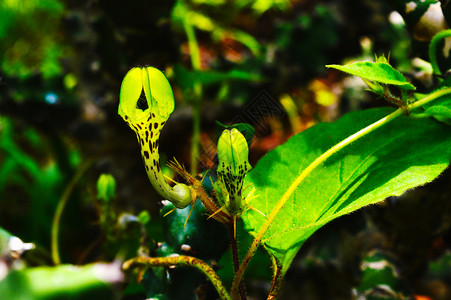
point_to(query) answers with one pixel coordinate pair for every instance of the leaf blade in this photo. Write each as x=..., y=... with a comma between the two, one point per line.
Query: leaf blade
x=378, y=72
x=353, y=178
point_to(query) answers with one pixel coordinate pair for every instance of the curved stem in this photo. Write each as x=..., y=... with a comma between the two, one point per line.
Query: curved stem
x=216, y=212
x=60, y=208
x=181, y=260
x=277, y=280
x=317, y=162
x=433, y=49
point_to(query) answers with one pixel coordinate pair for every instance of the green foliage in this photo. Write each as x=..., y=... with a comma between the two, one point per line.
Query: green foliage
x=219, y=55
x=205, y=237
x=94, y=281
x=25, y=50
x=40, y=180
x=385, y=163
x=188, y=79
x=184, y=14
x=381, y=278
x=440, y=110
x=200, y=236
x=379, y=72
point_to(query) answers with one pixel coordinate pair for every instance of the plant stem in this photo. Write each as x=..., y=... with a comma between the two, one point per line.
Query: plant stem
x=196, y=130
x=317, y=162
x=277, y=280
x=433, y=49
x=235, y=256
x=181, y=260
x=196, y=63
x=60, y=208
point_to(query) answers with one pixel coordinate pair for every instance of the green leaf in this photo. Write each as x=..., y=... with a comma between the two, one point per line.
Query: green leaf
x=94, y=281
x=399, y=156
x=380, y=271
x=378, y=72
x=187, y=79
x=206, y=237
x=439, y=109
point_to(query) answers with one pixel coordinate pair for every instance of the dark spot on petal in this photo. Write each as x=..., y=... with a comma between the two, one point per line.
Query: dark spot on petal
x=146, y=154
x=155, y=125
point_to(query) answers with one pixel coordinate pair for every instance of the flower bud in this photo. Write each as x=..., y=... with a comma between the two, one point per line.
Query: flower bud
x=106, y=187
x=233, y=166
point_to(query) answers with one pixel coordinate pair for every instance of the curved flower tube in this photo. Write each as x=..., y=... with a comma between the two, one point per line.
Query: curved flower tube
x=147, y=123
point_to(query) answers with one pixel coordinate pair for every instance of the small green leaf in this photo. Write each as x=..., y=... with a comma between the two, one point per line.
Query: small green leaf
x=439, y=109
x=399, y=156
x=381, y=273
x=378, y=72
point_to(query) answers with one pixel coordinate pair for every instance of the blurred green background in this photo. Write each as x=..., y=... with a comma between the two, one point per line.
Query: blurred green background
x=254, y=61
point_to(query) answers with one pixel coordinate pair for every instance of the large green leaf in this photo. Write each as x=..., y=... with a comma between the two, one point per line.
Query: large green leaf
x=375, y=71
x=394, y=158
